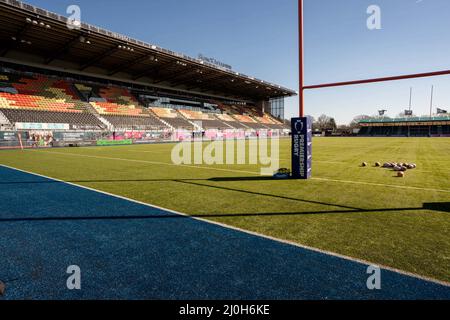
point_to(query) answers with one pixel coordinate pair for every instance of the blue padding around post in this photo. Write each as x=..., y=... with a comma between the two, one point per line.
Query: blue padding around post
x=301, y=148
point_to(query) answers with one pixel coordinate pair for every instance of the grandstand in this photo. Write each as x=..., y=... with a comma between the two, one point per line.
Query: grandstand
x=94, y=79
x=438, y=126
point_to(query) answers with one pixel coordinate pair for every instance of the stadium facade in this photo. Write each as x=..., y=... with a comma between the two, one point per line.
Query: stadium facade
x=437, y=126
x=59, y=77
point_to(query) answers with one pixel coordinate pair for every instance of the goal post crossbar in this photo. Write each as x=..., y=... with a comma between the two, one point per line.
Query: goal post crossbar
x=374, y=80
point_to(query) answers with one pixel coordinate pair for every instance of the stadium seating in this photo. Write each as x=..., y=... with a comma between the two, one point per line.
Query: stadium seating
x=205, y=120
x=4, y=122
x=117, y=101
x=79, y=120
x=264, y=119
x=119, y=107
x=107, y=108
x=249, y=122
x=438, y=125
x=229, y=109
x=35, y=98
x=134, y=123
x=172, y=118
x=248, y=118
x=231, y=121
x=39, y=93
x=194, y=115
x=253, y=111
x=40, y=99
x=404, y=131
x=270, y=122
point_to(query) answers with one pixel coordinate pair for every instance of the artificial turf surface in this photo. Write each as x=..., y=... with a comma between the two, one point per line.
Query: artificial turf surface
x=364, y=213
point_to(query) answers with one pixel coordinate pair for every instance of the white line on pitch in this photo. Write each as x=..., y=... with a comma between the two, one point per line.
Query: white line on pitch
x=381, y=185
x=146, y=161
x=240, y=171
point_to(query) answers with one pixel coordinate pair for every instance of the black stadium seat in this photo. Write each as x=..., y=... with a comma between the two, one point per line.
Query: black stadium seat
x=76, y=120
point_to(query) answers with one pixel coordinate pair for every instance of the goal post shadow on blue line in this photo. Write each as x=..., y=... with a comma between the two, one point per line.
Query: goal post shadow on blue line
x=301, y=149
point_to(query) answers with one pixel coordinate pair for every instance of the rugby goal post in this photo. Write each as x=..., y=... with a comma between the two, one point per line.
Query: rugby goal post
x=302, y=139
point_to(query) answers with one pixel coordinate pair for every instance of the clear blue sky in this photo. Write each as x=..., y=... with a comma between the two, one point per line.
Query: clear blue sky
x=259, y=38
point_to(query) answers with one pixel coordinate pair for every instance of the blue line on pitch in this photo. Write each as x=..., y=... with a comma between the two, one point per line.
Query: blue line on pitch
x=45, y=227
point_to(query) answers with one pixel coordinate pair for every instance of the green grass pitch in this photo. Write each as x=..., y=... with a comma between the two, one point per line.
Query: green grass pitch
x=365, y=213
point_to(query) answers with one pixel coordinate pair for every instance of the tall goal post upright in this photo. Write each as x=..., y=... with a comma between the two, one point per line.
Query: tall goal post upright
x=301, y=59
x=301, y=127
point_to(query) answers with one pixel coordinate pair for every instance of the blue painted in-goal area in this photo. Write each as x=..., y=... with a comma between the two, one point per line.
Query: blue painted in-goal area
x=128, y=250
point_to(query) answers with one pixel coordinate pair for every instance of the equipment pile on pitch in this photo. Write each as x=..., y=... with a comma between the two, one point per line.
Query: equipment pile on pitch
x=399, y=167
